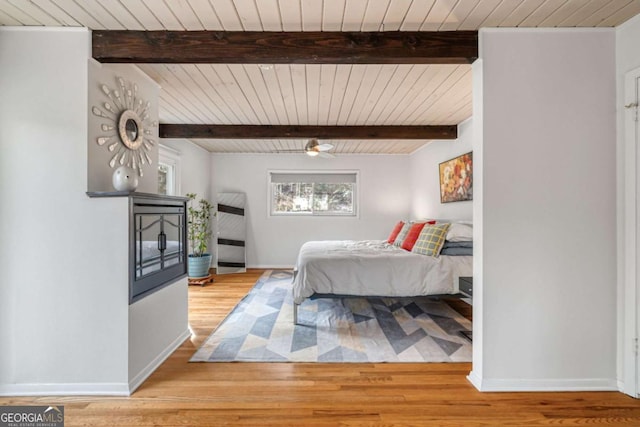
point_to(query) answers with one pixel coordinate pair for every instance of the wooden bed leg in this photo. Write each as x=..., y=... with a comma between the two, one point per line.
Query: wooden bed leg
x=295, y=313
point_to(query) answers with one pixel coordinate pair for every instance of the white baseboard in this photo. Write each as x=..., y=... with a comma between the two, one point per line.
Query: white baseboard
x=622, y=389
x=94, y=389
x=137, y=381
x=587, y=384
x=61, y=389
x=474, y=380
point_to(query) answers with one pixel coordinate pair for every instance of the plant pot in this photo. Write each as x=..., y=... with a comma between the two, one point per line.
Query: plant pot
x=199, y=265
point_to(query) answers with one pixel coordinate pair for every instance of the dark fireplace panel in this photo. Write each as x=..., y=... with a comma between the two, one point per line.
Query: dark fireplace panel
x=158, y=244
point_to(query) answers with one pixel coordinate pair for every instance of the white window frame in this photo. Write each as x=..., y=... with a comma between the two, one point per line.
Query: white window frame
x=356, y=194
x=171, y=157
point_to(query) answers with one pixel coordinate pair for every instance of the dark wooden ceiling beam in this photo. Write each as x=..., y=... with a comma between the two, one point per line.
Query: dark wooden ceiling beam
x=308, y=47
x=320, y=132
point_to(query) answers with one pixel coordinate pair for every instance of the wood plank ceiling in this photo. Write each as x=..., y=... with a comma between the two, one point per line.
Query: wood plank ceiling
x=314, y=95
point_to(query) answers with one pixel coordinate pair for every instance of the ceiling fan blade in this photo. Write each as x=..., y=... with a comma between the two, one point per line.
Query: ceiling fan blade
x=326, y=155
x=324, y=147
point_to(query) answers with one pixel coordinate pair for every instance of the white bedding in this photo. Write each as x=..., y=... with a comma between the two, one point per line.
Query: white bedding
x=374, y=268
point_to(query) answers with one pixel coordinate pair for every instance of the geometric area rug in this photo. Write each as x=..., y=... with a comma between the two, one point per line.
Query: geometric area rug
x=343, y=330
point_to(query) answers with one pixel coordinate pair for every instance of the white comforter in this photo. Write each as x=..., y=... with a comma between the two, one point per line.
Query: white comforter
x=374, y=268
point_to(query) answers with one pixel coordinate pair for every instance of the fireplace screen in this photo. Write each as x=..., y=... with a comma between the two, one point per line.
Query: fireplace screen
x=158, y=244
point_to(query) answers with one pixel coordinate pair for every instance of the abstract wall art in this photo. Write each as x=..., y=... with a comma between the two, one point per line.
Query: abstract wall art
x=456, y=179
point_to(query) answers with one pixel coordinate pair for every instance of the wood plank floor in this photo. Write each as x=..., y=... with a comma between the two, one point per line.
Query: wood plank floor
x=284, y=394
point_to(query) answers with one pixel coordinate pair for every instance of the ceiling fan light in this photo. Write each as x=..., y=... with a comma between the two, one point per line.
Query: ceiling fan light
x=312, y=153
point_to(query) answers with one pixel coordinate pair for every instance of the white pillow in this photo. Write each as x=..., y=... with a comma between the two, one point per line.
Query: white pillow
x=460, y=232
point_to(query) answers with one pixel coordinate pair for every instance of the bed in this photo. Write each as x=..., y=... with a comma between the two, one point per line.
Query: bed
x=373, y=268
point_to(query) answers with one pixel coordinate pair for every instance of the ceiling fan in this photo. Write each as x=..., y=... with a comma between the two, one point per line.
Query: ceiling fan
x=313, y=148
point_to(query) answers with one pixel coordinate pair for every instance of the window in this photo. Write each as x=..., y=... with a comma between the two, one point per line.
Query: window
x=317, y=193
x=168, y=171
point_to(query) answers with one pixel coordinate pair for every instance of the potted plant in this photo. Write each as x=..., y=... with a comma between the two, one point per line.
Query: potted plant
x=199, y=233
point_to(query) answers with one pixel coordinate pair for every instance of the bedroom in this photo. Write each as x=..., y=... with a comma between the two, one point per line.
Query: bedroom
x=501, y=231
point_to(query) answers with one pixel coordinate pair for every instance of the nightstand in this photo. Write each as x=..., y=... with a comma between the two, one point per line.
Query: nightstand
x=466, y=286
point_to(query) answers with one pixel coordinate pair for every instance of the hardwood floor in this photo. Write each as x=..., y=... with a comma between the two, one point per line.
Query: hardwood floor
x=282, y=394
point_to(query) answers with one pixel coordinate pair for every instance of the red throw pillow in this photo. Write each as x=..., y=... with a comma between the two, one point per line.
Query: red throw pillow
x=412, y=236
x=395, y=232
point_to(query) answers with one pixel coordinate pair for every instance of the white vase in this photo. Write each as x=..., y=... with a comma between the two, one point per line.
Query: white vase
x=125, y=179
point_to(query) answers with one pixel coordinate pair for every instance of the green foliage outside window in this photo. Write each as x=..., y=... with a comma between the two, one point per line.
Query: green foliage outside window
x=313, y=198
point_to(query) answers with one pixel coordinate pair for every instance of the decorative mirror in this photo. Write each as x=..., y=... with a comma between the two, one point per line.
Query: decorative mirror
x=129, y=130
x=128, y=125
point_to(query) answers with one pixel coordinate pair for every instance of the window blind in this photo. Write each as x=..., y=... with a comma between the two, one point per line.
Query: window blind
x=309, y=178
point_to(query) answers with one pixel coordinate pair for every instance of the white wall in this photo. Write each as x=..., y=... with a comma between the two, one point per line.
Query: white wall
x=548, y=250
x=195, y=167
x=628, y=56
x=384, y=198
x=425, y=182
x=100, y=173
x=158, y=324
x=627, y=59
x=64, y=312
x=64, y=290
x=478, y=223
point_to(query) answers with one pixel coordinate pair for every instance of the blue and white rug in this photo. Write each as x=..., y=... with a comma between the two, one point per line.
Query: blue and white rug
x=260, y=329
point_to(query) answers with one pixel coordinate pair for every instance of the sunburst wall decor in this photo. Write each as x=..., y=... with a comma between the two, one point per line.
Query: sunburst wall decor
x=128, y=124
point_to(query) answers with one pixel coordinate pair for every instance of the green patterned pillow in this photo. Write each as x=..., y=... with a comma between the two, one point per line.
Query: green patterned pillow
x=431, y=239
x=402, y=234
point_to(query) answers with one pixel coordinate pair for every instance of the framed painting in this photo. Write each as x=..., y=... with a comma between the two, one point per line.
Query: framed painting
x=456, y=179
